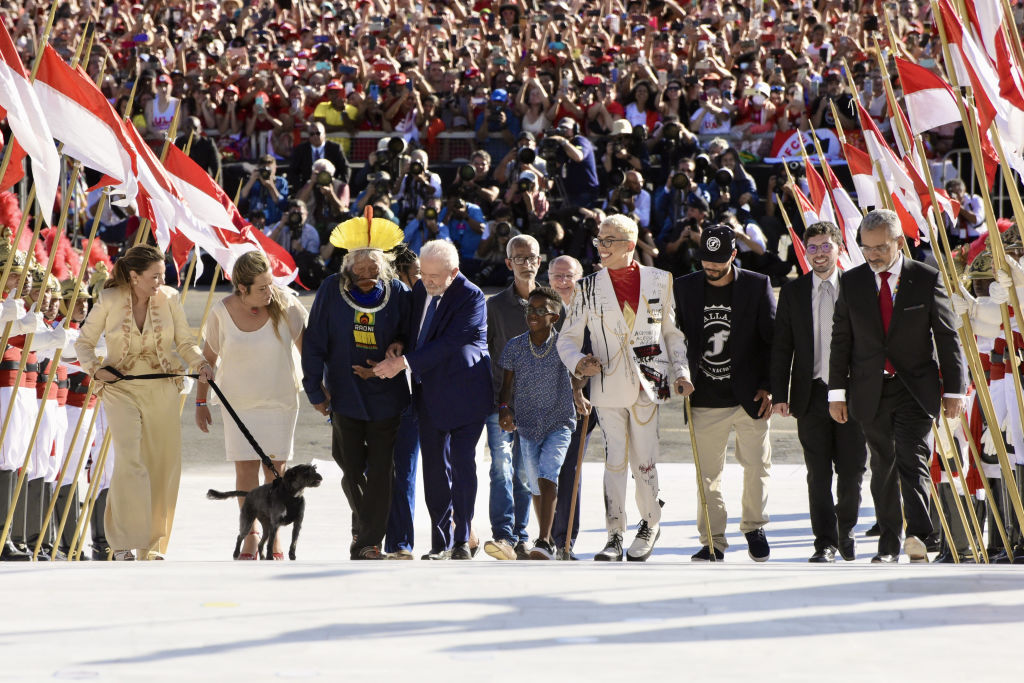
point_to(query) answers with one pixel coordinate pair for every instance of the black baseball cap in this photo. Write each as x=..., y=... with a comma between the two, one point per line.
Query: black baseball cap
x=717, y=243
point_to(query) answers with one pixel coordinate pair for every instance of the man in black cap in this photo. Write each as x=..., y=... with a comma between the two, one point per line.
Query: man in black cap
x=727, y=315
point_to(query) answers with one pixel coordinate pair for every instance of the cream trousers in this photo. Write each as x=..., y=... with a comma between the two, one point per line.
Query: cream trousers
x=631, y=439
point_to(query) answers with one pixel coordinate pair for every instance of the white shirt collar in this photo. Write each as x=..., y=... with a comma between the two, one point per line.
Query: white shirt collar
x=895, y=269
x=832, y=279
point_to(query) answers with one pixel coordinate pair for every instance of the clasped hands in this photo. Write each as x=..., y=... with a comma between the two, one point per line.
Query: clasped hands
x=392, y=364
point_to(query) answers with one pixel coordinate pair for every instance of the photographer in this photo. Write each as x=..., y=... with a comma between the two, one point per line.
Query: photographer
x=386, y=158
x=527, y=202
x=682, y=243
x=497, y=118
x=326, y=198
x=418, y=185
x=522, y=157
x=493, y=252
x=426, y=227
x=265, y=191
x=622, y=152
x=669, y=201
x=317, y=147
x=570, y=157
x=669, y=143
x=473, y=182
x=630, y=198
x=378, y=191
x=465, y=222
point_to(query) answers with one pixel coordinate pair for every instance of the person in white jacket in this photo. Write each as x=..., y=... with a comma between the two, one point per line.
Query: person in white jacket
x=638, y=356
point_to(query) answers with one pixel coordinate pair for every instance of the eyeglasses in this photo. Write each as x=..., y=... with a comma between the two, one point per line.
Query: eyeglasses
x=880, y=249
x=824, y=248
x=606, y=242
x=315, y=133
x=671, y=88
x=567, y=277
x=522, y=260
x=530, y=310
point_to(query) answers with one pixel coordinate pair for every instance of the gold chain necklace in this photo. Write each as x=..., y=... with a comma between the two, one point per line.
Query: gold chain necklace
x=550, y=344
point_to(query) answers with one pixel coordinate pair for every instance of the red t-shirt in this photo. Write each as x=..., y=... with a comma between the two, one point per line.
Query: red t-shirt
x=626, y=282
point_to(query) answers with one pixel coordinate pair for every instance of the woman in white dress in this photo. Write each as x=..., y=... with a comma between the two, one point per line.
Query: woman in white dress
x=256, y=335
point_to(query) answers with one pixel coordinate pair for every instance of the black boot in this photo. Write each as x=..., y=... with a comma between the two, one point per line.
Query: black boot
x=68, y=532
x=100, y=547
x=35, y=498
x=9, y=552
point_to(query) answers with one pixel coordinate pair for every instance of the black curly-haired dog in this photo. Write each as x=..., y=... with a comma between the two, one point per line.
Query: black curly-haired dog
x=276, y=504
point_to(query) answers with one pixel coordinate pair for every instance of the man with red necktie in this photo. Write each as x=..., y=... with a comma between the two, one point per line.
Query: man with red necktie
x=895, y=364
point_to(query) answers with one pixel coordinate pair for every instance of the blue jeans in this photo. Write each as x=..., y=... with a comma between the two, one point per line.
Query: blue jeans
x=543, y=458
x=403, y=492
x=510, y=496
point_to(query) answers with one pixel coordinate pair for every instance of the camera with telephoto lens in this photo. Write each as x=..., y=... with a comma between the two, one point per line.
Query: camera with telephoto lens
x=265, y=173
x=503, y=229
x=494, y=114
x=467, y=173
x=430, y=214
x=381, y=182
x=526, y=155
x=525, y=185
x=416, y=169
x=550, y=149
x=323, y=178
x=680, y=181
x=295, y=219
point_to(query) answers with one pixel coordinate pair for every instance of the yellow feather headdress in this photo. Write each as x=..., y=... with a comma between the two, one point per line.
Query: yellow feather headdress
x=367, y=233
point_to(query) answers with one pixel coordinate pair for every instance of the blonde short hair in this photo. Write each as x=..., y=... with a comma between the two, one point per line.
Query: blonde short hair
x=624, y=224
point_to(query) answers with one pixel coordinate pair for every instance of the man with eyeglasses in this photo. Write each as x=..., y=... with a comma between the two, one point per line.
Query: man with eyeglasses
x=799, y=370
x=510, y=495
x=895, y=367
x=638, y=356
x=311, y=151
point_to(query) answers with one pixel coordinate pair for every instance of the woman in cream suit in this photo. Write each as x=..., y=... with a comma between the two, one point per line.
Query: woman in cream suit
x=146, y=332
x=638, y=355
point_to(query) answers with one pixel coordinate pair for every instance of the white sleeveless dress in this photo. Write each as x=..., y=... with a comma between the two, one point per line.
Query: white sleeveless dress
x=260, y=374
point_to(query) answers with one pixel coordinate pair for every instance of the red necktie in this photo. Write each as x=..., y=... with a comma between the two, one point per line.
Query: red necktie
x=885, y=308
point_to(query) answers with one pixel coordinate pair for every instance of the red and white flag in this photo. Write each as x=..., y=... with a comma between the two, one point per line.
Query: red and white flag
x=820, y=201
x=863, y=177
x=848, y=217
x=930, y=100
x=228, y=235
x=81, y=117
x=29, y=128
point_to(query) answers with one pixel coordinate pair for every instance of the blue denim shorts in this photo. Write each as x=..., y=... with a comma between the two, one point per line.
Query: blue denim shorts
x=543, y=459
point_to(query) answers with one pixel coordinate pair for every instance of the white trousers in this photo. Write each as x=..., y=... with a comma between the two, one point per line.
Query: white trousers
x=631, y=439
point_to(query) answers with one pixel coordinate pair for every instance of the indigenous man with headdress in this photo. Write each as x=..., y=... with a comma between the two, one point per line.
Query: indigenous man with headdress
x=359, y=317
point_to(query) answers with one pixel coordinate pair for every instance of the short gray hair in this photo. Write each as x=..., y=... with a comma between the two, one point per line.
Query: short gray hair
x=323, y=165
x=441, y=250
x=387, y=269
x=525, y=240
x=882, y=219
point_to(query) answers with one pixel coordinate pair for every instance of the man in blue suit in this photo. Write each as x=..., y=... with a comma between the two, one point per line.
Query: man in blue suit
x=452, y=395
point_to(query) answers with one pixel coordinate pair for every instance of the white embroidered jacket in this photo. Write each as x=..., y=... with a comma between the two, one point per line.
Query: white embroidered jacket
x=651, y=355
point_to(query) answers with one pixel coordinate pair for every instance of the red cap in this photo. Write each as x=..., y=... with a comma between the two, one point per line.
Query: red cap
x=163, y=78
x=231, y=88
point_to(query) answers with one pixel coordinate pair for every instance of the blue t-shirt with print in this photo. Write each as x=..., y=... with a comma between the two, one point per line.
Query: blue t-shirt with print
x=542, y=389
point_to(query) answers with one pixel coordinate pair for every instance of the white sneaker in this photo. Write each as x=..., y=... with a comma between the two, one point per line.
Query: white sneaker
x=643, y=544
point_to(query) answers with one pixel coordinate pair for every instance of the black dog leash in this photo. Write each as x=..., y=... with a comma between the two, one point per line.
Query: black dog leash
x=264, y=458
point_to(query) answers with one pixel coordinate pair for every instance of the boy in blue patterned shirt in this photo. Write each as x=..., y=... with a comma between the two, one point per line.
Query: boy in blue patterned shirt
x=545, y=412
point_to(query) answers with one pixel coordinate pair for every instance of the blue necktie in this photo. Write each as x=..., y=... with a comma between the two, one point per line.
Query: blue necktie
x=427, y=319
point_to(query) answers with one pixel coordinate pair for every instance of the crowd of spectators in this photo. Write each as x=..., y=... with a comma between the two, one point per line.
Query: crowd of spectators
x=570, y=110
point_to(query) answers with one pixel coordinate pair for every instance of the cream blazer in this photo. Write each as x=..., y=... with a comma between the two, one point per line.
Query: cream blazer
x=649, y=356
x=112, y=317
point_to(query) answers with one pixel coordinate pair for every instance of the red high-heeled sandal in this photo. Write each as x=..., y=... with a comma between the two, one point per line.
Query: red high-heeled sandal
x=248, y=556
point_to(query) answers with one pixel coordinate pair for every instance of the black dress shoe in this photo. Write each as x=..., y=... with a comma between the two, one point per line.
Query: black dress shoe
x=933, y=543
x=826, y=554
x=848, y=549
x=10, y=553
x=461, y=551
x=438, y=555
x=884, y=558
x=873, y=531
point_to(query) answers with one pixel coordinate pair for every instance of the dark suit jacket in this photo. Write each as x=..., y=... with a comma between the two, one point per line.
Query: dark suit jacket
x=203, y=151
x=793, y=347
x=302, y=163
x=453, y=363
x=750, y=336
x=921, y=317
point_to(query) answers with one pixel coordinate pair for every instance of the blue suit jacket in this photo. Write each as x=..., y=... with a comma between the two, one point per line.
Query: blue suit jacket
x=453, y=364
